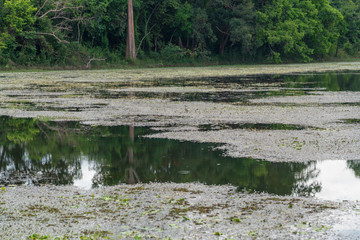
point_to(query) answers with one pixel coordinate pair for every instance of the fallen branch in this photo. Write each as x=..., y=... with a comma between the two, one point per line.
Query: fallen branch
x=88, y=65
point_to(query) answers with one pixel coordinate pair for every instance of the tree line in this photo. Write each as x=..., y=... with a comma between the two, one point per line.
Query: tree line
x=94, y=32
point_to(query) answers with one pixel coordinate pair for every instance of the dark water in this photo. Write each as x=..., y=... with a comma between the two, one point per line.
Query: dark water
x=327, y=81
x=256, y=86
x=32, y=151
x=254, y=126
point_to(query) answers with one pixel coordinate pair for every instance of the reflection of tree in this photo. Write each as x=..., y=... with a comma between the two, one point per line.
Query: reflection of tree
x=355, y=166
x=162, y=160
x=130, y=154
x=303, y=187
x=31, y=146
x=118, y=154
x=13, y=135
x=330, y=81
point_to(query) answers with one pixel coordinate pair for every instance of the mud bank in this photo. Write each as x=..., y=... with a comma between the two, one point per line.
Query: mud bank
x=164, y=211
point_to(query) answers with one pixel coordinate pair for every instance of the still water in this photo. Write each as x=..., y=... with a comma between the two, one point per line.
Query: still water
x=33, y=151
x=255, y=86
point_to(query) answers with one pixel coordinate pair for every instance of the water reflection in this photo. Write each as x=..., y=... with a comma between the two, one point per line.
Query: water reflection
x=255, y=86
x=29, y=146
x=327, y=81
x=339, y=180
x=69, y=153
x=354, y=165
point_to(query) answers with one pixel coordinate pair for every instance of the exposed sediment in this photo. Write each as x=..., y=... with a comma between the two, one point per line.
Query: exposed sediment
x=164, y=211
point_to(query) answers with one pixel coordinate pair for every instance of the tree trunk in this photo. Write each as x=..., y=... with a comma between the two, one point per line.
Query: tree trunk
x=130, y=42
x=193, y=44
x=180, y=43
x=155, y=44
x=223, y=42
x=337, y=48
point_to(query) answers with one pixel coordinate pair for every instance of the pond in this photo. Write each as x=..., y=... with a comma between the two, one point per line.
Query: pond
x=68, y=153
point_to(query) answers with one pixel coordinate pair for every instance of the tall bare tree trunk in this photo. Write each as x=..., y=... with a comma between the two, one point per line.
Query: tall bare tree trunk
x=130, y=42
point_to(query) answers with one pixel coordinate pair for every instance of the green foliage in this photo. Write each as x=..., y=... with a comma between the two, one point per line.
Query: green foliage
x=71, y=32
x=173, y=52
x=298, y=29
x=18, y=14
x=242, y=25
x=183, y=18
x=5, y=39
x=16, y=18
x=349, y=39
x=233, y=21
x=202, y=31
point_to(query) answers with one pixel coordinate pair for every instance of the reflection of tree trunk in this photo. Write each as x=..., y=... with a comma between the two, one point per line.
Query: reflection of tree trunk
x=132, y=133
x=133, y=177
x=2, y=157
x=17, y=157
x=131, y=155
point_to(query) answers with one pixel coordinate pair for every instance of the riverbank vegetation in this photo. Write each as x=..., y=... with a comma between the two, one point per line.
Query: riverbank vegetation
x=93, y=33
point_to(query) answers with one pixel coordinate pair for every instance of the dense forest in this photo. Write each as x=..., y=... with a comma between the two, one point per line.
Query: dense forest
x=85, y=33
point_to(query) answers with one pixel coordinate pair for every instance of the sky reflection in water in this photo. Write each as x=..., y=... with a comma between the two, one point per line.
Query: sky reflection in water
x=338, y=181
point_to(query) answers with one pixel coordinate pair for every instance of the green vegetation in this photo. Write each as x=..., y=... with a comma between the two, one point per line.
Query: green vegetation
x=92, y=33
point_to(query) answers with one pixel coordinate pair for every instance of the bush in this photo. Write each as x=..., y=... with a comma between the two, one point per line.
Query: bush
x=349, y=49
